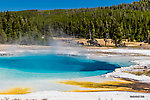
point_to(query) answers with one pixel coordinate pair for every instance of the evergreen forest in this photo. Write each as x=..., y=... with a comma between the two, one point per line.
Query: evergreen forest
x=117, y=22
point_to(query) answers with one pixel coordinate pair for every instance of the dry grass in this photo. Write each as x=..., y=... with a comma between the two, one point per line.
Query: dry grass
x=102, y=42
x=16, y=91
x=145, y=72
x=111, y=86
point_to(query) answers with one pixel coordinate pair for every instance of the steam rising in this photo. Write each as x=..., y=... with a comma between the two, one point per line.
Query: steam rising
x=65, y=46
x=56, y=45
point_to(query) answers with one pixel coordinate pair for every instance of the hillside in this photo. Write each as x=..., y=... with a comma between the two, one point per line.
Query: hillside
x=124, y=21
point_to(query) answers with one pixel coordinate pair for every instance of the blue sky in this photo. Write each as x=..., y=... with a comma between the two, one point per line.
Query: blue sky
x=14, y=5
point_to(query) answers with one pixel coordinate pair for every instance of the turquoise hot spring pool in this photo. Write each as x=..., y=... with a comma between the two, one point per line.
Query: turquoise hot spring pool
x=41, y=71
x=56, y=66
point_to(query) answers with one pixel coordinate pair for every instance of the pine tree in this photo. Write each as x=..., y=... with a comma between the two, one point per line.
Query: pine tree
x=3, y=36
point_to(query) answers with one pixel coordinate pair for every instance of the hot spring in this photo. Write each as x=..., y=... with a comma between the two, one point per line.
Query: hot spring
x=37, y=70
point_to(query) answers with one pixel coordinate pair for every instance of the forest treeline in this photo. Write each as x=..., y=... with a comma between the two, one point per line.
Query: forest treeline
x=124, y=21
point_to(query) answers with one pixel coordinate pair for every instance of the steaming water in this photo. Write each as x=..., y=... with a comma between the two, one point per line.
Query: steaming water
x=40, y=69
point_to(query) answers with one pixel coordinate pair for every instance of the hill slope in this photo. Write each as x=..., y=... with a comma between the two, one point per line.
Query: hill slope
x=124, y=21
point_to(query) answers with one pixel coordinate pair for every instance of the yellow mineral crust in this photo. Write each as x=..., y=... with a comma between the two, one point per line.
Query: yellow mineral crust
x=121, y=85
x=16, y=91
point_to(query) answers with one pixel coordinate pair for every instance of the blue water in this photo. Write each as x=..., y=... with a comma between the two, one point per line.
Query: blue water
x=54, y=66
